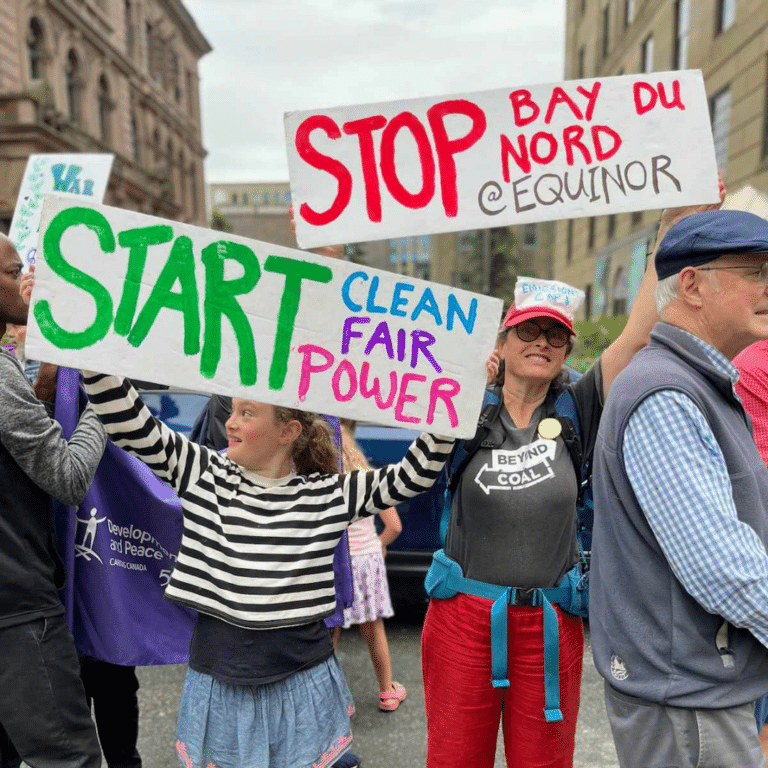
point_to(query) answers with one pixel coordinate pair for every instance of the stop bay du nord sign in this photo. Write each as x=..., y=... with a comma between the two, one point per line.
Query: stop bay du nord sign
x=124, y=293
x=505, y=157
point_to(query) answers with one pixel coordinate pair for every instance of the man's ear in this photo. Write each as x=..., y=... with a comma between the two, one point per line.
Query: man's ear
x=691, y=282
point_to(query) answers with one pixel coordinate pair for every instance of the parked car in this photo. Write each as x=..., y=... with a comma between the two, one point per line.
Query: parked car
x=177, y=408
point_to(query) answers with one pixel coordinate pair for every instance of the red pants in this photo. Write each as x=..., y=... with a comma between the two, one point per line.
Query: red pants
x=464, y=709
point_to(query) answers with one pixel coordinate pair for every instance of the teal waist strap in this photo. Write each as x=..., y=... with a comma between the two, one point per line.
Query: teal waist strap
x=502, y=597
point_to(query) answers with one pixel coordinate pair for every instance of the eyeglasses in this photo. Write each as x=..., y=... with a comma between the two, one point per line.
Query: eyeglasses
x=557, y=335
x=761, y=271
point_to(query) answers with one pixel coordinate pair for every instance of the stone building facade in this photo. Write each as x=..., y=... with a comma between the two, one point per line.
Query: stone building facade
x=115, y=76
x=728, y=41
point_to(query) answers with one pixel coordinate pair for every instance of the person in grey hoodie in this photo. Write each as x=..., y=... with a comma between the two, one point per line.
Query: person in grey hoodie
x=679, y=585
x=44, y=719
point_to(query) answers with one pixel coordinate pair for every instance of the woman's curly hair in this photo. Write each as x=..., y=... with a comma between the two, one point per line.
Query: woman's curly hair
x=314, y=450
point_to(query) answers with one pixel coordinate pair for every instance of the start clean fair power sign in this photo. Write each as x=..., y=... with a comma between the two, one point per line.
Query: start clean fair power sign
x=125, y=293
x=504, y=157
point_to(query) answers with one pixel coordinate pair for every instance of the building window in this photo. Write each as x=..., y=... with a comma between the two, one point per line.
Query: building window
x=35, y=49
x=156, y=143
x=182, y=183
x=580, y=66
x=234, y=198
x=726, y=15
x=682, y=28
x=128, y=27
x=588, y=301
x=591, y=233
x=169, y=166
x=647, y=54
x=720, y=109
x=105, y=110
x=611, y=229
x=193, y=190
x=190, y=93
x=620, y=292
x=155, y=52
x=72, y=77
x=606, y=30
x=135, y=139
x=569, y=242
x=629, y=12
x=529, y=235
x=176, y=72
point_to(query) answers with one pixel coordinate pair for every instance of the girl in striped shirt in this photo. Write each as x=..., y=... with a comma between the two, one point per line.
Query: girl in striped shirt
x=263, y=688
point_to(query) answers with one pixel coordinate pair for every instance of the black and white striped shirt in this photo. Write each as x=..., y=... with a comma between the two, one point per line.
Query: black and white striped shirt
x=255, y=556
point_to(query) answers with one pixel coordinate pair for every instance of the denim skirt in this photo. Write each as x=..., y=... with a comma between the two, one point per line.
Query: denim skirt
x=299, y=722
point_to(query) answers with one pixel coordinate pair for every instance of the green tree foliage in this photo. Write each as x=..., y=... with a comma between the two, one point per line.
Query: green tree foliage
x=220, y=222
x=593, y=338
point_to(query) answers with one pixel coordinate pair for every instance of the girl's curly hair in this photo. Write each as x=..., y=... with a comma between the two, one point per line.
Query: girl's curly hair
x=314, y=450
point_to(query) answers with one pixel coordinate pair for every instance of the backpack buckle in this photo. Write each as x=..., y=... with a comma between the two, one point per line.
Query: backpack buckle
x=521, y=598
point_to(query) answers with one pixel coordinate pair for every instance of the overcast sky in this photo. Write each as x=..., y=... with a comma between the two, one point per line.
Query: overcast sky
x=273, y=56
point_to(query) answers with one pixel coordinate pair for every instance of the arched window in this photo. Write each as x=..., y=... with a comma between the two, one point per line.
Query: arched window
x=128, y=19
x=105, y=109
x=193, y=189
x=72, y=75
x=169, y=166
x=182, y=183
x=35, y=49
x=176, y=76
x=135, y=139
x=156, y=146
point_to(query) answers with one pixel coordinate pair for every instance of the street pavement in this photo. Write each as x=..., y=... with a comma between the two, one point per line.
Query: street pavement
x=382, y=739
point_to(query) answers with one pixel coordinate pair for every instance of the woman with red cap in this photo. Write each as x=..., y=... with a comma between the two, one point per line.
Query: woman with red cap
x=512, y=533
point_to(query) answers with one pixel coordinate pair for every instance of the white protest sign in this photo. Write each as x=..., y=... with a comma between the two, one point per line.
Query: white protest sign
x=125, y=293
x=72, y=174
x=504, y=157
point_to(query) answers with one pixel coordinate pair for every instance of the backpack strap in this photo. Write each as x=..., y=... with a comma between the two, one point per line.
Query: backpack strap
x=568, y=416
x=492, y=402
x=465, y=450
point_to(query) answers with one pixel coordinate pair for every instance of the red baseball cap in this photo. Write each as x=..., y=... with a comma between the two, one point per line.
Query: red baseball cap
x=544, y=298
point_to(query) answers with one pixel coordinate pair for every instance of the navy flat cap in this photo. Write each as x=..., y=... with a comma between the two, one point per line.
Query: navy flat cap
x=703, y=237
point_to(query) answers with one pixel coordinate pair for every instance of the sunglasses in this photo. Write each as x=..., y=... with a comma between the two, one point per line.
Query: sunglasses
x=760, y=272
x=557, y=335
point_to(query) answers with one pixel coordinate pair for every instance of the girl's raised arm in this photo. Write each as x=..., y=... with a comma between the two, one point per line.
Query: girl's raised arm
x=369, y=492
x=129, y=423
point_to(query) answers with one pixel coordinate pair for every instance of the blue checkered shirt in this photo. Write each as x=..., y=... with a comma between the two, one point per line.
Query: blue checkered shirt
x=678, y=474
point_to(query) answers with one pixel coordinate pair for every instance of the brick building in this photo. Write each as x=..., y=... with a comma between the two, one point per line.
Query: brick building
x=728, y=41
x=105, y=76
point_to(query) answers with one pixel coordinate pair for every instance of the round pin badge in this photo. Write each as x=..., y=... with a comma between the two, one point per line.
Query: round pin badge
x=550, y=429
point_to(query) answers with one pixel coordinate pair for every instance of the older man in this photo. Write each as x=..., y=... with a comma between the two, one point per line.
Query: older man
x=679, y=612
x=43, y=713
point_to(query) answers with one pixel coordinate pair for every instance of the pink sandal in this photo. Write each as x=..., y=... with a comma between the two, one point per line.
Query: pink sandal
x=389, y=701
